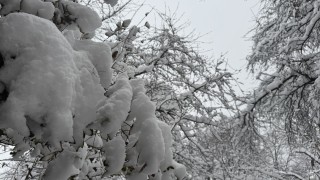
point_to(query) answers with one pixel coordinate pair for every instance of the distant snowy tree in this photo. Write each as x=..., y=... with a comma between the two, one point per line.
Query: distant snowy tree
x=282, y=117
x=65, y=112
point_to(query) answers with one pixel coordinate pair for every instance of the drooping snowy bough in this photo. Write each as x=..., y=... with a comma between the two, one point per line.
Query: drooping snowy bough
x=59, y=106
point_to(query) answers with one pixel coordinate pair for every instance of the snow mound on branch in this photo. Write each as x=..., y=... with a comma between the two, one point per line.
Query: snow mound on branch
x=9, y=6
x=167, y=137
x=67, y=164
x=53, y=90
x=38, y=7
x=150, y=140
x=114, y=110
x=114, y=153
x=87, y=19
x=34, y=85
x=71, y=13
x=150, y=143
x=179, y=170
x=100, y=56
x=35, y=7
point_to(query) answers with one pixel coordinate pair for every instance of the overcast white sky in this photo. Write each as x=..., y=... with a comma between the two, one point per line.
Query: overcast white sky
x=228, y=21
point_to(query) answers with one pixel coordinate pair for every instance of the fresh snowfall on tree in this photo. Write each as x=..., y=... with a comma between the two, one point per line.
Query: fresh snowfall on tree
x=61, y=104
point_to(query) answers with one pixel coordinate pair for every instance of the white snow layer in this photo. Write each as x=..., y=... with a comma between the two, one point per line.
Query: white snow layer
x=52, y=87
x=35, y=7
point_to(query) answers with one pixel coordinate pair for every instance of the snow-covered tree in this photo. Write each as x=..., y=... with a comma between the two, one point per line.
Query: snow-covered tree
x=282, y=117
x=193, y=93
x=64, y=111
